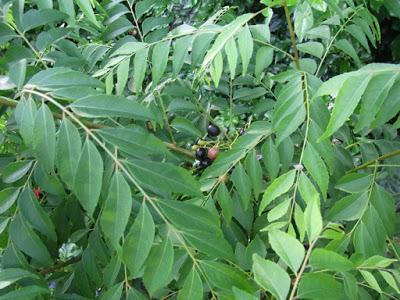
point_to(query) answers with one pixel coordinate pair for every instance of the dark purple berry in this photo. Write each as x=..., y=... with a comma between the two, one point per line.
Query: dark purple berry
x=205, y=163
x=213, y=130
x=201, y=153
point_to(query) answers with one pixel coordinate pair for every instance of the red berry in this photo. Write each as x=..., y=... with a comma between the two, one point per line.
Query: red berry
x=37, y=192
x=212, y=153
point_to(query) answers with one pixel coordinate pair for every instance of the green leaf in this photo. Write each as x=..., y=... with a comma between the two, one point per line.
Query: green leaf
x=139, y=240
x=370, y=279
x=242, y=295
x=27, y=292
x=249, y=93
x=159, y=266
x=228, y=32
x=390, y=280
x=225, y=201
x=376, y=262
x=348, y=49
x=216, y=69
x=134, y=141
x=316, y=167
x=181, y=48
x=26, y=240
x=35, y=214
x=86, y=7
x=213, y=244
x=111, y=106
x=354, y=183
x=313, y=48
x=264, y=58
x=34, y=18
x=88, y=177
x=113, y=293
x=289, y=249
x=271, y=158
x=185, y=125
x=254, y=171
x=289, y=112
x=11, y=275
x=271, y=277
x=164, y=177
x=307, y=189
x=44, y=138
x=242, y=183
x=6, y=34
x=8, y=196
x=68, y=149
x=319, y=286
x=188, y=216
x=374, y=97
x=349, y=208
x=359, y=35
x=25, y=115
x=192, y=287
x=117, y=209
x=346, y=101
x=201, y=44
x=225, y=277
x=327, y=259
x=313, y=219
x=16, y=170
x=159, y=60
x=122, y=76
x=350, y=286
x=139, y=68
x=232, y=56
x=279, y=210
x=245, y=43
x=60, y=77
x=18, y=72
x=278, y=187
x=303, y=20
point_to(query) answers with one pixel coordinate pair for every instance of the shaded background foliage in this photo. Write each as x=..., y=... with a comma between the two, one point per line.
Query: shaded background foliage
x=103, y=104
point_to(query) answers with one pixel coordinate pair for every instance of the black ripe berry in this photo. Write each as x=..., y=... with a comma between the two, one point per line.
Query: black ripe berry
x=205, y=163
x=213, y=130
x=201, y=153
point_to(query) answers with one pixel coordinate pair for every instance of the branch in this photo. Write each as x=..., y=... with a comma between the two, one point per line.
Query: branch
x=371, y=162
x=292, y=37
x=91, y=125
x=59, y=265
x=303, y=267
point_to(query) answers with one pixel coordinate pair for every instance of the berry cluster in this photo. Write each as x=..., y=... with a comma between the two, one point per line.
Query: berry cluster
x=205, y=156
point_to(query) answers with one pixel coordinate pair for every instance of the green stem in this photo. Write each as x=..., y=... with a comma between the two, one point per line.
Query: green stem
x=371, y=162
x=302, y=268
x=292, y=36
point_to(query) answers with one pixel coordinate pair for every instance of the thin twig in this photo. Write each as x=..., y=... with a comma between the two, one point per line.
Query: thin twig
x=373, y=161
x=59, y=265
x=135, y=20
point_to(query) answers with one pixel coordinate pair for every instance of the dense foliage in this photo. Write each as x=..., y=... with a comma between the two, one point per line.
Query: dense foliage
x=199, y=149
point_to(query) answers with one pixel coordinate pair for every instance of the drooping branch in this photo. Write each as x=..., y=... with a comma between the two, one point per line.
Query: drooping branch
x=12, y=103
